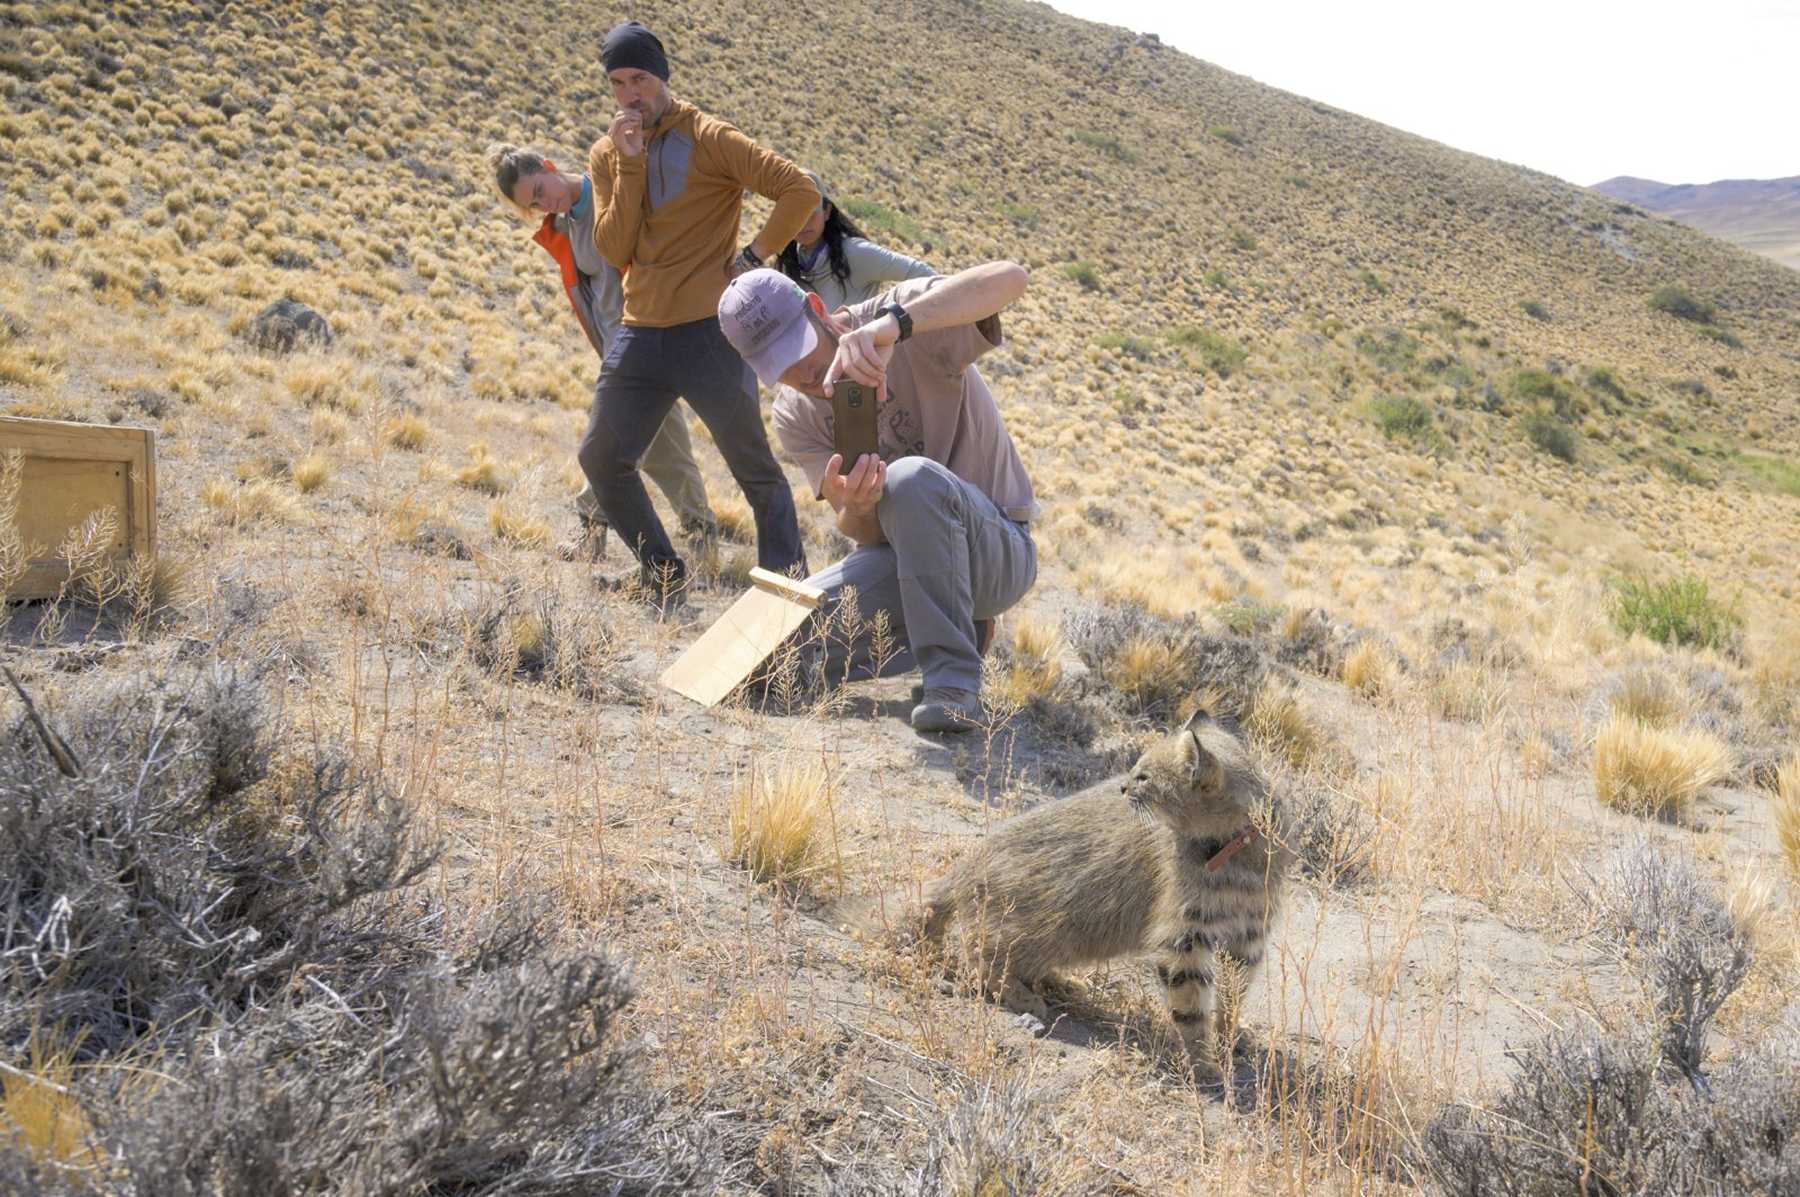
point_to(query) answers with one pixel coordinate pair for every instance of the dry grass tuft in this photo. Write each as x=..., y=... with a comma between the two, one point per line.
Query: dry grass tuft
x=777, y=821
x=326, y=426
x=483, y=473
x=736, y=523
x=1654, y=771
x=1033, y=662
x=1787, y=813
x=1148, y=668
x=311, y=472
x=1466, y=691
x=406, y=431
x=517, y=527
x=1650, y=696
x=1369, y=670
x=39, y=1111
x=1277, y=725
x=250, y=502
x=317, y=383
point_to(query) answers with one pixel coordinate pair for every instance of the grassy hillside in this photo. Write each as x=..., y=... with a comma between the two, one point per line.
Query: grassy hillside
x=1497, y=478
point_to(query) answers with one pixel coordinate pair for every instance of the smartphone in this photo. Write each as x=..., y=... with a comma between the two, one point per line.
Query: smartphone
x=853, y=420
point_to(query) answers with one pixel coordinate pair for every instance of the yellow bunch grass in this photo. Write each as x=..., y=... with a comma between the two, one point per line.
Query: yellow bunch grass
x=1655, y=771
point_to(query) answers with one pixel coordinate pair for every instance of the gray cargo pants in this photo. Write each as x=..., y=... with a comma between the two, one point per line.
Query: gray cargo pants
x=951, y=558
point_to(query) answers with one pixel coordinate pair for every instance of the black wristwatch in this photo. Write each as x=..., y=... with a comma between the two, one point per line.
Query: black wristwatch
x=901, y=319
x=749, y=259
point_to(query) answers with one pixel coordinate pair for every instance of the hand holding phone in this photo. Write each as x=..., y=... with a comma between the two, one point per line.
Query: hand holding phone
x=853, y=420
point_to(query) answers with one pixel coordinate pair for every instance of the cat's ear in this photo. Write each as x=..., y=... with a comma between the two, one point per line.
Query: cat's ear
x=1201, y=715
x=1201, y=764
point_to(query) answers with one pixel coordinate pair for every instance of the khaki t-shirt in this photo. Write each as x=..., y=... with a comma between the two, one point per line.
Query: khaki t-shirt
x=938, y=406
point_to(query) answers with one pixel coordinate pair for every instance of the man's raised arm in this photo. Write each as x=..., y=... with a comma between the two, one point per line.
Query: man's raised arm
x=964, y=298
x=618, y=180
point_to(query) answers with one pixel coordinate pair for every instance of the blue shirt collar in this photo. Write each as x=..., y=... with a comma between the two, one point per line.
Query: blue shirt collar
x=583, y=211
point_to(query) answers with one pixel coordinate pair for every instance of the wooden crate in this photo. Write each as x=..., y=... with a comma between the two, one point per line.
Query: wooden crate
x=72, y=471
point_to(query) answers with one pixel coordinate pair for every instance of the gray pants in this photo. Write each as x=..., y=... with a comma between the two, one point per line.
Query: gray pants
x=951, y=558
x=668, y=462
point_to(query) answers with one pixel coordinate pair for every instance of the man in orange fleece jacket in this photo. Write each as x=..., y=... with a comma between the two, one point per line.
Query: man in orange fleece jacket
x=668, y=191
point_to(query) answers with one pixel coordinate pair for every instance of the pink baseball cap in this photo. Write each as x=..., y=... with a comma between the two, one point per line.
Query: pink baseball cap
x=763, y=315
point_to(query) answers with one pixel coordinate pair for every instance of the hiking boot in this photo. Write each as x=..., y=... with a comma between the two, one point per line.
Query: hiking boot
x=588, y=543
x=984, y=640
x=699, y=534
x=664, y=590
x=947, y=709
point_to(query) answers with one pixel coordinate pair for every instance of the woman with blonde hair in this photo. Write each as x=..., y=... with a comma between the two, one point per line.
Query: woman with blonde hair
x=531, y=185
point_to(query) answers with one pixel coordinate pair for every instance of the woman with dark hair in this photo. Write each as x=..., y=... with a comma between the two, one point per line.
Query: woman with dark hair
x=531, y=185
x=831, y=257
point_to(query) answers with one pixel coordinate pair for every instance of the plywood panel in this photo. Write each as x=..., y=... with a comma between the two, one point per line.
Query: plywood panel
x=70, y=472
x=742, y=638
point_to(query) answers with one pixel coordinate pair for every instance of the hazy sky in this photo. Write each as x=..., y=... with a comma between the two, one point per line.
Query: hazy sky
x=1581, y=89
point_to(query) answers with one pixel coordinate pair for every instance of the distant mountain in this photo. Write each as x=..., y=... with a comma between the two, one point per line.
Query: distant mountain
x=1762, y=215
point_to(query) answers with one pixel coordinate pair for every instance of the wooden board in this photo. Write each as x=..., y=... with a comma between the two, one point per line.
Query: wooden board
x=743, y=638
x=72, y=471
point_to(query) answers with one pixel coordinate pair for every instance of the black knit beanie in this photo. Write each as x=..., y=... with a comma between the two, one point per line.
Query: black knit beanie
x=632, y=47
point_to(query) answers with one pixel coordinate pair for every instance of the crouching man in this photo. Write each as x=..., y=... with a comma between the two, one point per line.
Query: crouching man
x=941, y=518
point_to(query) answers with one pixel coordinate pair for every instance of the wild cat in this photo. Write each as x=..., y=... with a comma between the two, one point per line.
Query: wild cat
x=1176, y=870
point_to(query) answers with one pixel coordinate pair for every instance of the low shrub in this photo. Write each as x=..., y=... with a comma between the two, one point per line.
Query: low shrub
x=1534, y=309
x=1215, y=351
x=1678, y=303
x=1674, y=611
x=1402, y=417
x=1106, y=143
x=1125, y=343
x=1629, y=1109
x=252, y=924
x=1552, y=435
x=871, y=214
x=1153, y=665
x=1085, y=274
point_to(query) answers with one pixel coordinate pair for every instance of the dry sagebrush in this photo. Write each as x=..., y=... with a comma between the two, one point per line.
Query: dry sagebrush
x=258, y=997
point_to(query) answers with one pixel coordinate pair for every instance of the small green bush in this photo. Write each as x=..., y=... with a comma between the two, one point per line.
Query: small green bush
x=1107, y=144
x=1543, y=387
x=1085, y=273
x=1605, y=382
x=1217, y=279
x=1674, y=611
x=1227, y=135
x=1552, y=435
x=1713, y=332
x=1681, y=305
x=1535, y=310
x=1402, y=416
x=1023, y=215
x=1780, y=475
x=1389, y=348
x=1683, y=470
x=1217, y=352
x=1373, y=282
x=1242, y=240
x=1128, y=345
x=875, y=215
